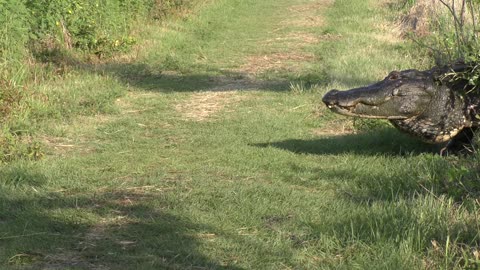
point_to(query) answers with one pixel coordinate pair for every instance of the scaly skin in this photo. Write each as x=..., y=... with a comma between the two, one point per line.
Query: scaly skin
x=425, y=104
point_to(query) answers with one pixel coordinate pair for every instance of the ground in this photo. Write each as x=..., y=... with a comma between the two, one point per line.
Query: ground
x=215, y=152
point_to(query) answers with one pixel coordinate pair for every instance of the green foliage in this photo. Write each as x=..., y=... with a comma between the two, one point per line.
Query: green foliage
x=89, y=25
x=101, y=27
x=457, y=36
x=454, y=37
x=13, y=36
x=164, y=8
x=14, y=147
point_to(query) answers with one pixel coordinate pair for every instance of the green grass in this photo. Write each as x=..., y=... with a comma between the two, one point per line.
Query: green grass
x=134, y=177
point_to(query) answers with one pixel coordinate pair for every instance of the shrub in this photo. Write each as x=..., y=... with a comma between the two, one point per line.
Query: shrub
x=99, y=27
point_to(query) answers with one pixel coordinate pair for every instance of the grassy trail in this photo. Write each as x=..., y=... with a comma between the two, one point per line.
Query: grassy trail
x=217, y=154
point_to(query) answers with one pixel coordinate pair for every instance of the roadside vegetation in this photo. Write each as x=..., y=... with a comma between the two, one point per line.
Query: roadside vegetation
x=43, y=41
x=197, y=141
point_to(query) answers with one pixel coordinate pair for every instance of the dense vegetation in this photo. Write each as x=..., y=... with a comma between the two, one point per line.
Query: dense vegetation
x=450, y=34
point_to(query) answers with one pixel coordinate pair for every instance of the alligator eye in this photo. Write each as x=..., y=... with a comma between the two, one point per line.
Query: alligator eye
x=393, y=76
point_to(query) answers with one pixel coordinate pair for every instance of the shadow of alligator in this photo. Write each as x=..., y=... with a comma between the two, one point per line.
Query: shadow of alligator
x=381, y=142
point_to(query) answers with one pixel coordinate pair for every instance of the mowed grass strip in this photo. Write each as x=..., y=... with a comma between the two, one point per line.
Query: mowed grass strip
x=171, y=175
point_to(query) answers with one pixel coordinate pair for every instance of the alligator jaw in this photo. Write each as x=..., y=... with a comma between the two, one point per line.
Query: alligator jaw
x=351, y=103
x=349, y=111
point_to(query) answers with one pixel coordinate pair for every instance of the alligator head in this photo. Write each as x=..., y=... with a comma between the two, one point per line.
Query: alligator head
x=414, y=101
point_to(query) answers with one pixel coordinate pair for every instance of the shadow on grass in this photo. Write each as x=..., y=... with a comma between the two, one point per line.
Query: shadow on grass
x=146, y=77
x=386, y=141
x=108, y=230
x=391, y=166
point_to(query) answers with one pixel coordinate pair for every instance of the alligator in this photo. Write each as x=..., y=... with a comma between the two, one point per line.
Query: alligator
x=433, y=105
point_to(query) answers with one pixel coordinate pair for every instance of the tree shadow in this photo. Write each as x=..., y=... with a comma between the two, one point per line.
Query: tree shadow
x=158, y=78
x=363, y=183
x=387, y=141
x=96, y=230
x=145, y=77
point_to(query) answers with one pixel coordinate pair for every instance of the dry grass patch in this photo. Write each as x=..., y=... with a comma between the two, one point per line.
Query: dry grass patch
x=244, y=82
x=68, y=260
x=78, y=136
x=305, y=15
x=315, y=5
x=61, y=146
x=420, y=15
x=334, y=128
x=388, y=33
x=275, y=62
x=293, y=39
x=306, y=21
x=202, y=106
x=127, y=106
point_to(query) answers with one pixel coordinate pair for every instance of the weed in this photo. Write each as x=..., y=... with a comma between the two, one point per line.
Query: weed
x=14, y=147
x=302, y=87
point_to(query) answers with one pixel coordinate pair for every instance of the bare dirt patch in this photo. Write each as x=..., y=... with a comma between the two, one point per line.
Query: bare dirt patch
x=202, y=106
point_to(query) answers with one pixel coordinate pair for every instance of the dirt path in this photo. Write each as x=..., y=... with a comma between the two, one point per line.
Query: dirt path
x=283, y=50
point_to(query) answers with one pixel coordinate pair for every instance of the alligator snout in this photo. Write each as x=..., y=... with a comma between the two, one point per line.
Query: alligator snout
x=331, y=97
x=336, y=98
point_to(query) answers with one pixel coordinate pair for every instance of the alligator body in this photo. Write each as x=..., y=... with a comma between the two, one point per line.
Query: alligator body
x=429, y=104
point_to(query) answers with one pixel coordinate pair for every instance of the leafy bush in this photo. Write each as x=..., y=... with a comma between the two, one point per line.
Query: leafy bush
x=89, y=25
x=101, y=27
x=454, y=36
